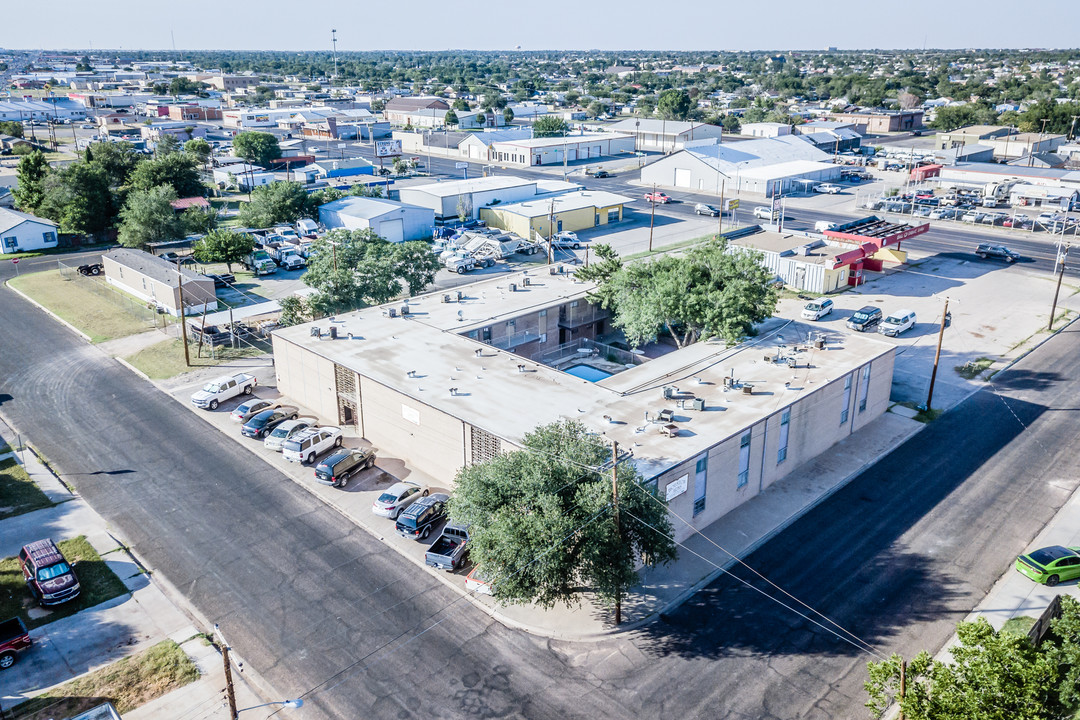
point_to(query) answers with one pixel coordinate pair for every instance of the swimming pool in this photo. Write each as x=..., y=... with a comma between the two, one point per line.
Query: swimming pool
x=587, y=372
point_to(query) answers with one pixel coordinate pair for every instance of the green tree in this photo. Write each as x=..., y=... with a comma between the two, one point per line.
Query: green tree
x=294, y=311
x=197, y=221
x=595, y=109
x=166, y=145
x=707, y=292
x=31, y=174
x=273, y=204
x=451, y=118
x=119, y=160
x=148, y=216
x=78, y=198
x=731, y=124
x=460, y=104
x=223, y=246
x=177, y=170
x=351, y=270
x=992, y=676
x=13, y=128
x=508, y=115
x=183, y=86
x=606, y=263
x=493, y=100
x=674, y=105
x=198, y=149
x=258, y=148
x=541, y=520
x=415, y=265
x=160, y=88
x=550, y=126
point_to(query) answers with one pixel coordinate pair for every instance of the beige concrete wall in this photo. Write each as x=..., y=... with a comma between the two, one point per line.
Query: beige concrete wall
x=428, y=439
x=307, y=378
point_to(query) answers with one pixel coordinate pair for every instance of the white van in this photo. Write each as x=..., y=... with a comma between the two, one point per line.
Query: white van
x=817, y=309
x=823, y=225
x=897, y=322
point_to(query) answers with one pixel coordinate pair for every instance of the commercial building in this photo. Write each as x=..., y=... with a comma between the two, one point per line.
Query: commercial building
x=1010, y=147
x=230, y=83
x=182, y=131
x=193, y=113
x=871, y=122
x=244, y=175
x=45, y=109
x=157, y=281
x=448, y=200
x=571, y=211
x=400, y=110
x=767, y=166
x=22, y=232
x=971, y=135
x=255, y=117
x=557, y=150
x=443, y=384
x=765, y=129
x=343, y=168
x=395, y=221
x=664, y=135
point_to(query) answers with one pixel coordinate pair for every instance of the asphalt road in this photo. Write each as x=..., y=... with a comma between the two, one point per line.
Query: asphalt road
x=898, y=557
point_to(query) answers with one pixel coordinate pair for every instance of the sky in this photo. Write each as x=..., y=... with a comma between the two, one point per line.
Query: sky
x=550, y=25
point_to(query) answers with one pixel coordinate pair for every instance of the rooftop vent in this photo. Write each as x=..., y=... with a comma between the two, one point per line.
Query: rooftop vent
x=405, y=310
x=526, y=282
x=333, y=332
x=391, y=312
x=316, y=332
x=513, y=287
x=446, y=298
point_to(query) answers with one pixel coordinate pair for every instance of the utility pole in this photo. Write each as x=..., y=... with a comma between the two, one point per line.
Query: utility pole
x=1061, y=272
x=615, y=509
x=652, y=215
x=333, y=39
x=229, y=692
x=551, y=233
x=937, y=354
x=183, y=317
x=720, y=215
x=1072, y=127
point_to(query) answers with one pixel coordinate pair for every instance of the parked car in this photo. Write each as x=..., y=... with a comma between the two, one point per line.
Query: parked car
x=827, y=188
x=865, y=318
x=336, y=469
x=396, y=498
x=49, y=576
x=285, y=431
x=922, y=211
x=997, y=252
x=763, y=213
x=972, y=216
x=224, y=388
x=476, y=582
x=14, y=638
x=1050, y=565
x=657, y=197
x=223, y=280
x=822, y=225
x=817, y=309
x=262, y=424
x=897, y=323
x=566, y=239
x=418, y=519
x=703, y=209
x=449, y=550
x=310, y=443
x=601, y=174
x=249, y=408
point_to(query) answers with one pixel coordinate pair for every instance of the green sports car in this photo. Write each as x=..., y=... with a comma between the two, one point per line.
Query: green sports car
x=1051, y=565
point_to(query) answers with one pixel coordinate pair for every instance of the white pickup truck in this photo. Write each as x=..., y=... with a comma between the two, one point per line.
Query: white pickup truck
x=218, y=391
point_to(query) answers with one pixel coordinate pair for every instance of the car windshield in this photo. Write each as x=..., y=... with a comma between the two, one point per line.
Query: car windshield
x=281, y=431
x=813, y=306
x=48, y=573
x=259, y=420
x=387, y=498
x=212, y=387
x=293, y=445
x=860, y=315
x=893, y=320
x=407, y=521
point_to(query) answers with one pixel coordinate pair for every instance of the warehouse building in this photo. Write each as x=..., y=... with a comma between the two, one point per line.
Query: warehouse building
x=434, y=382
x=573, y=211
x=557, y=150
x=664, y=135
x=449, y=200
x=395, y=221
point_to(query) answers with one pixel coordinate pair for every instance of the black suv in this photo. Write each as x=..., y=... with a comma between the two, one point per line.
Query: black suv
x=417, y=520
x=336, y=469
x=261, y=424
x=998, y=252
x=865, y=318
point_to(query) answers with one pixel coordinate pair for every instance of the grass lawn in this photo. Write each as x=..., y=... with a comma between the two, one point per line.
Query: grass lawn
x=1019, y=625
x=98, y=583
x=18, y=493
x=127, y=683
x=94, y=314
x=166, y=359
x=661, y=250
x=971, y=370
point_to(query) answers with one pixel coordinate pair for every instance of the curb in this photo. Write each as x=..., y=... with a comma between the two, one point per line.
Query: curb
x=49, y=312
x=134, y=369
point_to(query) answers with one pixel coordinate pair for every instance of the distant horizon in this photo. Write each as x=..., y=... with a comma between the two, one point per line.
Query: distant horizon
x=560, y=26
x=92, y=51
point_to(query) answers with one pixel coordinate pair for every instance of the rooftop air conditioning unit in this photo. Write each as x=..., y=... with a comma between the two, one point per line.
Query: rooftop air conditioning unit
x=404, y=311
x=513, y=287
x=391, y=312
x=446, y=298
x=316, y=332
x=526, y=282
x=699, y=404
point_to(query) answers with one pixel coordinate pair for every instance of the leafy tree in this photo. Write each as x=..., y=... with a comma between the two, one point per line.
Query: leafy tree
x=673, y=105
x=605, y=265
x=258, y=148
x=401, y=165
x=183, y=86
x=31, y=174
x=541, y=521
x=731, y=124
x=279, y=202
x=550, y=126
x=508, y=115
x=464, y=207
x=493, y=100
x=148, y=216
x=415, y=264
x=13, y=128
x=319, y=198
x=78, y=198
x=460, y=104
x=451, y=118
x=362, y=190
x=166, y=145
x=160, y=88
x=198, y=149
x=957, y=116
x=177, y=170
x=294, y=311
x=707, y=292
x=227, y=246
x=117, y=158
x=197, y=221
x=595, y=109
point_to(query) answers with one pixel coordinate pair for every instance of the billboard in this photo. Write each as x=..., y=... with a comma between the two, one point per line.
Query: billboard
x=387, y=148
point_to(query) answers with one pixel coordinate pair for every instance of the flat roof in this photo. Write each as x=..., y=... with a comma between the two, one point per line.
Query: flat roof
x=461, y=187
x=790, y=168
x=563, y=203
x=426, y=354
x=818, y=252
x=560, y=141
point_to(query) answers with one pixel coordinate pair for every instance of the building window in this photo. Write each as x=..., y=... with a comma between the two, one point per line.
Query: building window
x=785, y=422
x=49, y=237
x=10, y=243
x=484, y=446
x=864, y=387
x=700, y=472
x=744, y=459
x=847, y=400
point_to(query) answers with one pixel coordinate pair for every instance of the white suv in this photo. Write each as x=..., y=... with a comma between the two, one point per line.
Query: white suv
x=216, y=392
x=308, y=444
x=285, y=431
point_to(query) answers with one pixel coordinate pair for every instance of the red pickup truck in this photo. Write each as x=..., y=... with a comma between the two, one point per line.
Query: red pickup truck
x=14, y=638
x=657, y=197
